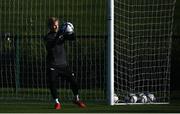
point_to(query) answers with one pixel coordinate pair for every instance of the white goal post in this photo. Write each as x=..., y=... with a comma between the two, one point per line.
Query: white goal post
x=110, y=78
x=139, y=38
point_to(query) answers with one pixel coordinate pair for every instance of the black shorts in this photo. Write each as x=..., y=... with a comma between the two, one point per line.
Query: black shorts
x=64, y=72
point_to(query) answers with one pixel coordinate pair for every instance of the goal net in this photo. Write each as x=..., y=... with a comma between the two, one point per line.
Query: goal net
x=142, y=48
x=23, y=24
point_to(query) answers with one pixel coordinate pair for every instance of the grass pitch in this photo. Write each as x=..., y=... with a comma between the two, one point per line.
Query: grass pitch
x=91, y=108
x=24, y=107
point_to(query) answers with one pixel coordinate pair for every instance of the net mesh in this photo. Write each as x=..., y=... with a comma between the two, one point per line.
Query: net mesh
x=143, y=34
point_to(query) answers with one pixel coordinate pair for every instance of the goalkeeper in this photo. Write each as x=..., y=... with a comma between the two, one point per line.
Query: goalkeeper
x=56, y=62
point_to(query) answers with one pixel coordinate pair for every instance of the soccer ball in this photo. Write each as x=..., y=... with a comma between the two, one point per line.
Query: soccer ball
x=143, y=98
x=67, y=28
x=133, y=98
x=151, y=97
x=116, y=98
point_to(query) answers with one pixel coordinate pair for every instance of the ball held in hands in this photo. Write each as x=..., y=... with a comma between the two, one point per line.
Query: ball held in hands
x=67, y=30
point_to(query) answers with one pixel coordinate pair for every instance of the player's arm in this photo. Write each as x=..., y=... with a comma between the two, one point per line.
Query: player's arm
x=63, y=36
x=70, y=37
x=59, y=38
x=51, y=41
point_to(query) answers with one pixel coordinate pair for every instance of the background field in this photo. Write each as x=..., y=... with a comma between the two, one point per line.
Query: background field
x=23, y=56
x=174, y=105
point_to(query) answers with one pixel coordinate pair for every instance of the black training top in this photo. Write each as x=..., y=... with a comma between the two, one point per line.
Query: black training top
x=56, y=55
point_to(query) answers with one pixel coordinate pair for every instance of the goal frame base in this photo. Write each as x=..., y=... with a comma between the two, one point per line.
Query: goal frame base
x=141, y=103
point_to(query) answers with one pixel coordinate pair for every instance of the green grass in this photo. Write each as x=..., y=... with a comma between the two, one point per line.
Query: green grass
x=91, y=108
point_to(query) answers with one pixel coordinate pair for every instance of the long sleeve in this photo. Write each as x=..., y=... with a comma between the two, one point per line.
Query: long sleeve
x=52, y=39
x=56, y=55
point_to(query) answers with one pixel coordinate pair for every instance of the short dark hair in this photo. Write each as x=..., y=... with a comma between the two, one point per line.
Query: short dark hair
x=51, y=21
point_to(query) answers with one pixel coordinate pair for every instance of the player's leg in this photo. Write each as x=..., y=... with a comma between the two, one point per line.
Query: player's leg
x=52, y=74
x=74, y=86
